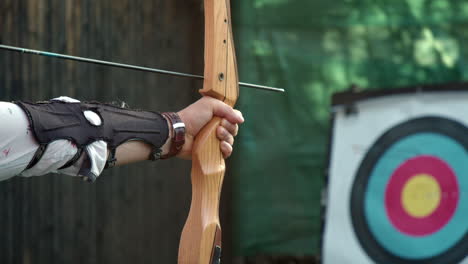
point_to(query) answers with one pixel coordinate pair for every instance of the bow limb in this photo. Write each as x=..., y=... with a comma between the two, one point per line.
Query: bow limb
x=200, y=241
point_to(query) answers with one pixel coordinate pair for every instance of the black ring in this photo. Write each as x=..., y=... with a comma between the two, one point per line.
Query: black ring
x=371, y=246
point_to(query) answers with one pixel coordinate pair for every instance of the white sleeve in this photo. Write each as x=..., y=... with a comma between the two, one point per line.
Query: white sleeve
x=17, y=143
x=18, y=146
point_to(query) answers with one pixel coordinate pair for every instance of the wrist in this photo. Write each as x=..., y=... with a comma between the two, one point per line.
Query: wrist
x=176, y=136
x=167, y=145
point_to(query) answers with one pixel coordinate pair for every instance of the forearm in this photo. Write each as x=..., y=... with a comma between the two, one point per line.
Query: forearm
x=82, y=139
x=131, y=152
x=101, y=134
x=136, y=151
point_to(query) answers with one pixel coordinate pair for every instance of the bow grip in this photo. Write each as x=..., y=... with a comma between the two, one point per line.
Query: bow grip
x=201, y=235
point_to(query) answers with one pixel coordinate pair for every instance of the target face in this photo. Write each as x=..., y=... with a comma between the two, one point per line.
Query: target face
x=409, y=199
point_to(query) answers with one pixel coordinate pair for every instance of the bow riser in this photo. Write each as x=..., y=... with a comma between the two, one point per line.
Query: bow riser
x=201, y=237
x=221, y=78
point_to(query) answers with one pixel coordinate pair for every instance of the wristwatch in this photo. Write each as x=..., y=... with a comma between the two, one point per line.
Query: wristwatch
x=177, y=134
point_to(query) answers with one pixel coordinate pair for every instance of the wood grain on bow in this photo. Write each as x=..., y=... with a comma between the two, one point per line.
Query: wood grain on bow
x=200, y=242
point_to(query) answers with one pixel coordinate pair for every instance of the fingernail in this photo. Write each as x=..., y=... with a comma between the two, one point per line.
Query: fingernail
x=241, y=116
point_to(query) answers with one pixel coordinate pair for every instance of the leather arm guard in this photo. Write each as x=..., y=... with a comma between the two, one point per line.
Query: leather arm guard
x=54, y=120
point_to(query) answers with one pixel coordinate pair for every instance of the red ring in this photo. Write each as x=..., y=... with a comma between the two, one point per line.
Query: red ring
x=448, y=183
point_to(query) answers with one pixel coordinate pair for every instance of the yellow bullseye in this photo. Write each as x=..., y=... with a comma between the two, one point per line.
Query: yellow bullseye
x=421, y=195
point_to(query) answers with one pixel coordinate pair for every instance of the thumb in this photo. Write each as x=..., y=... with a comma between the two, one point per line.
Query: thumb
x=223, y=110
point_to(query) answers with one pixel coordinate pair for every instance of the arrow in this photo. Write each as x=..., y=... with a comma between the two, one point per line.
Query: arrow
x=128, y=66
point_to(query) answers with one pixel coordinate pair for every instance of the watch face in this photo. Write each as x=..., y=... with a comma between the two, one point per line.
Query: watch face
x=179, y=135
x=179, y=125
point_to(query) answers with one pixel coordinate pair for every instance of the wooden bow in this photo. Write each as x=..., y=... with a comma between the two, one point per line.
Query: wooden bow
x=200, y=242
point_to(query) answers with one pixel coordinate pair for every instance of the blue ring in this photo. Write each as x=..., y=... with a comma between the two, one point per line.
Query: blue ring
x=386, y=234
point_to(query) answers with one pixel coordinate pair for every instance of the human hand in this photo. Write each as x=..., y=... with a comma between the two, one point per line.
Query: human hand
x=198, y=114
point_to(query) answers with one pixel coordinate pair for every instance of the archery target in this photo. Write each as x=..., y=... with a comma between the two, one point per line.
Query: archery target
x=398, y=183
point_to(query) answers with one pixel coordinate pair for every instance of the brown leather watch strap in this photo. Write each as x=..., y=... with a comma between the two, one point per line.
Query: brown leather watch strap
x=177, y=134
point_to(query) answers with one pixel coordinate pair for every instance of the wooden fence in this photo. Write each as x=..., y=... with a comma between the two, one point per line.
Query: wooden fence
x=132, y=214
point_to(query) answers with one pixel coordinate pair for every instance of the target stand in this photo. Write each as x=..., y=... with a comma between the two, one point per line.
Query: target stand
x=398, y=177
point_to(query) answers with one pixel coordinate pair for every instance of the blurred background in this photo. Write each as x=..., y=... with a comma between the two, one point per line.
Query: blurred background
x=271, y=205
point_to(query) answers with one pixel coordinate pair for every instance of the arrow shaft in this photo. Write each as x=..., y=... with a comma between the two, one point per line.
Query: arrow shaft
x=125, y=66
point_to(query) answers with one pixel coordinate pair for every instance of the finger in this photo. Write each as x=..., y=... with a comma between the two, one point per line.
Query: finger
x=223, y=110
x=239, y=113
x=230, y=127
x=226, y=149
x=224, y=135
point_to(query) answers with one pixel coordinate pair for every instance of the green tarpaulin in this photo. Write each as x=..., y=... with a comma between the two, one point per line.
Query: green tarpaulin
x=314, y=48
